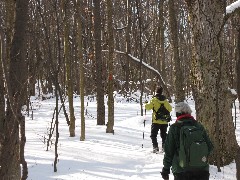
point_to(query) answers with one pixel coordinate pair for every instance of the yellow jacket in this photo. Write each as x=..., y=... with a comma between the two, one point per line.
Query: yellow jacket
x=155, y=104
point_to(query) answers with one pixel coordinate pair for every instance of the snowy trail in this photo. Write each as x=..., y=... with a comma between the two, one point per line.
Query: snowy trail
x=101, y=156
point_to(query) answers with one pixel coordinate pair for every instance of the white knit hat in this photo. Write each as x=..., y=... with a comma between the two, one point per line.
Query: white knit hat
x=183, y=108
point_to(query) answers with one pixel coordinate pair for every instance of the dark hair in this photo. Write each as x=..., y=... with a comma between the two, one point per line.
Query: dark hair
x=159, y=90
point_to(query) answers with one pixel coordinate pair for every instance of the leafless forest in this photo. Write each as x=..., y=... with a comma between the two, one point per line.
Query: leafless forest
x=96, y=47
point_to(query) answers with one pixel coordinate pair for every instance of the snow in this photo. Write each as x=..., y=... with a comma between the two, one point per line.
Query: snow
x=102, y=156
x=232, y=7
x=233, y=91
x=143, y=63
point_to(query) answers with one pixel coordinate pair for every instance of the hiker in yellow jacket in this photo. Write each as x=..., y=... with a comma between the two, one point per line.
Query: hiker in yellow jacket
x=160, y=118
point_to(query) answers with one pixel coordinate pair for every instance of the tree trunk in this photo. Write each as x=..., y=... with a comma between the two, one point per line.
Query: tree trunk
x=99, y=65
x=10, y=4
x=237, y=160
x=16, y=84
x=2, y=92
x=80, y=53
x=2, y=99
x=179, y=86
x=212, y=96
x=128, y=44
x=110, y=123
x=162, y=65
x=238, y=63
x=56, y=126
x=69, y=78
x=22, y=147
x=139, y=17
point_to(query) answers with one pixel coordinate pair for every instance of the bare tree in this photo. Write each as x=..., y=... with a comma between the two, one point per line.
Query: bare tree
x=128, y=46
x=69, y=78
x=80, y=54
x=212, y=96
x=2, y=92
x=162, y=64
x=139, y=17
x=2, y=95
x=110, y=123
x=16, y=83
x=179, y=88
x=99, y=64
x=237, y=55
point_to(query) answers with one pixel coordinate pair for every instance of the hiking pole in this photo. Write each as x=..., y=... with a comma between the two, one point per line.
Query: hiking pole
x=144, y=122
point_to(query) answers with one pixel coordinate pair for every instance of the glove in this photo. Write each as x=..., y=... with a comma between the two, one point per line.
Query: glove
x=165, y=173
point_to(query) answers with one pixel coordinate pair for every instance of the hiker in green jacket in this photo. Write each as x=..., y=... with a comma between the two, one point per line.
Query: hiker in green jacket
x=158, y=123
x=173, y=144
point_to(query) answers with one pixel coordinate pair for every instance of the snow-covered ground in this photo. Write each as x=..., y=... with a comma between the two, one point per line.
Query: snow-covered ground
x=122, y=156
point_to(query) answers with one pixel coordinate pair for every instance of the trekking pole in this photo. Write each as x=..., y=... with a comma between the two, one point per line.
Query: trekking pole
x=144, y=122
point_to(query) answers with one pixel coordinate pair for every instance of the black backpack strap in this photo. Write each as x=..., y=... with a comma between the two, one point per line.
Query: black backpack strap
x=161, y=104
x=178, y=126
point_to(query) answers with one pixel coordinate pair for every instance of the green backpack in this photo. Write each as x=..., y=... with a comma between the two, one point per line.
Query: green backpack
x=193, y=151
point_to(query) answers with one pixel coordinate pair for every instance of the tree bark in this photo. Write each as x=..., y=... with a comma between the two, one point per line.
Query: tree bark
x=238, y=62
x=22, y=147
x=237, y=159
x=16, y=84
x=128, y=44
x=10, y=4
x=57, y=127
x=2, y=92
x=99, y=64
x=110, y=123
x=162, y=65
x=179, y=86
x=80, y=54
x=2, y=98
x=139, y=17
x=69, y=78
x=212, y=96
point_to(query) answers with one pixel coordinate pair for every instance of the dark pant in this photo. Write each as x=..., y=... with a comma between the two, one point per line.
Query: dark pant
x=201, y=175
x=154, y=132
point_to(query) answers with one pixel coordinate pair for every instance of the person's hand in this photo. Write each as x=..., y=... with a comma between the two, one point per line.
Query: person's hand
x=165, y=173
